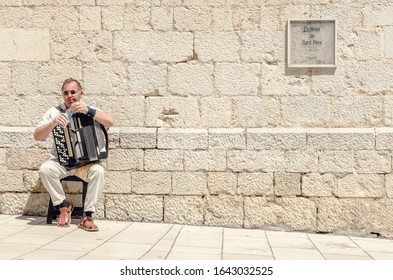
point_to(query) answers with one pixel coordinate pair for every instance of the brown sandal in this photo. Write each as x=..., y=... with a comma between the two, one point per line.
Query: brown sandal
x=87, y=224
x=64, y=219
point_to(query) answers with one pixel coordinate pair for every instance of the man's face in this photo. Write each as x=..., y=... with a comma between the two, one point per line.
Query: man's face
x=71, y=93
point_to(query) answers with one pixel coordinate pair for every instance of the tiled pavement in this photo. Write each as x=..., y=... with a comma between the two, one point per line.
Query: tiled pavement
x=30, y=238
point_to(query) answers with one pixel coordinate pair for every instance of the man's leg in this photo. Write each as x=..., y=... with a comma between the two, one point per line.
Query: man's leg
x=50, y=173
x=96, y=180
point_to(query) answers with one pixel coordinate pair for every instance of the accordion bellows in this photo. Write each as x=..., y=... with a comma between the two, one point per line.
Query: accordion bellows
x=81, y=142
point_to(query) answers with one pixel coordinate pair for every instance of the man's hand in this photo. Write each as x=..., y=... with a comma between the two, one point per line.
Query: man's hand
x=79, y=107
x=60, y=119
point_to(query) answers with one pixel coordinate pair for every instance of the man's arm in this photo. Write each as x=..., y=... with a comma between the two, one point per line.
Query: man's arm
x=103, y=118
x=42, y=132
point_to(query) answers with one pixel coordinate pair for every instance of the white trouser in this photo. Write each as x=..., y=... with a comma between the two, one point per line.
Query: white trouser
x=51, y=172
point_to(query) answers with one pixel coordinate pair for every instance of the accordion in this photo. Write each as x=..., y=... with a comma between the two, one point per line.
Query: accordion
x=81, y=142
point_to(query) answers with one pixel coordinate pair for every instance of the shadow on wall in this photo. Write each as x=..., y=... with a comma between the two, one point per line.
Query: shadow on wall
x=36, y=202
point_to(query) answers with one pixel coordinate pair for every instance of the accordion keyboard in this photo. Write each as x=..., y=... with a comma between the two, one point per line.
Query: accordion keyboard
x=61, y=145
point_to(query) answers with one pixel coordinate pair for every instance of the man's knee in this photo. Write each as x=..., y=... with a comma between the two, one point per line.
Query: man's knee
x=45, y=169
x=97, y=170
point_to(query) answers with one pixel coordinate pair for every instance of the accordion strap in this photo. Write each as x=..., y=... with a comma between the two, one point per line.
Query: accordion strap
x=60, y=108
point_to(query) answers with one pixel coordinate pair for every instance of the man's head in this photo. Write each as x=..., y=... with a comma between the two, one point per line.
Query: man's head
x=71, y=91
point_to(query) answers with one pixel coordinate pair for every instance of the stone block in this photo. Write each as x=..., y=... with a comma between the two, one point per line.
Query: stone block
x=341, y=139
x=305, y=111
x=215, y=111
x=255, y=184
x=55, y=18
x=287, y=184
x=224, y=210
x=211, y=160
x=125, y=159
x=190, y=79
x=342, y=214
x=3, y=158
x=336, y=161
x=302, y=161
x=37, y=204
x=388, y=39
x=263, y=46
x=222, y=19
x=22, y=158
x=225, y=183
x=246, y=18
x=253, y=161
x=237, y=79
x=90, y=17
x=217, y=46
x=381, y=220
x=105, y=78
x=24, y=45
x=127, y=111
x=52, y=75
x=138, y=138
x=255, y=111
x=5, y=77
x=7, y=107
x=32, y=182
x=114, y=137
x=147, y=79
x=183, y=210
x=15, y=203
x=118, y=182
x=389, y=185
x=276, y=82
x=86, y=46
x=285, y=213
x=182, y=138
x=318, y=185
x=147, y=208
x=16, y=137
x=227, y=138
x=377, y=15
x=162, y=18
x=137, y=18
x=193, y=18
x=189, y=183
x=25, y=79
x=11, y=181
x=172, y=112
x=276, y=139
x=151, y=183
x=363, y=48
x=369, y=161
x=361, y=185
x=357, y=112
x=112, y=18
x=375, y=80
x=156, y=46
x=384, y=138
x=163, y=160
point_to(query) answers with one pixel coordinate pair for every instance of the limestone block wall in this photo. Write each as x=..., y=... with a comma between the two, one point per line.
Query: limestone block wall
x=211, y=126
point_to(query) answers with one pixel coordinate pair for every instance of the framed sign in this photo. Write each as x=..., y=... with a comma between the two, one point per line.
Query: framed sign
x=311, y=43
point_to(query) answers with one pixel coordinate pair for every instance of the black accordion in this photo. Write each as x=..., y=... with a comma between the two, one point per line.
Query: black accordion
x=81, y=142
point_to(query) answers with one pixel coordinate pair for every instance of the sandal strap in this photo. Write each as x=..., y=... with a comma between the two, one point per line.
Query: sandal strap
x=88, y=223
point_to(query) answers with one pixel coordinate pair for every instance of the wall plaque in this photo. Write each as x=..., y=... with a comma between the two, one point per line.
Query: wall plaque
x=311, y=43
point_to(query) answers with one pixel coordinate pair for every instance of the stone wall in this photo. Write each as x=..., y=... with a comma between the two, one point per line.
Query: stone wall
x=211, y=127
